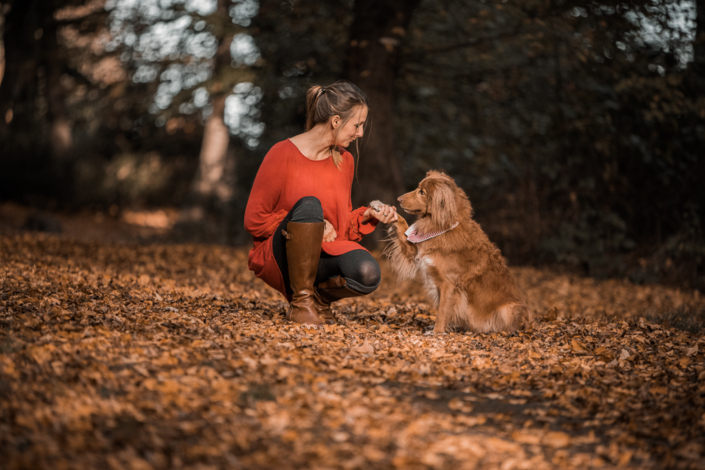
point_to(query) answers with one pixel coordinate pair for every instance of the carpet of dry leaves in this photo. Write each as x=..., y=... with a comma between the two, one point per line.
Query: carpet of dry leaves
x=156, y=356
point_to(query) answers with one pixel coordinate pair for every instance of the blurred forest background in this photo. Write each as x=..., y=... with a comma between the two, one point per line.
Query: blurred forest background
x=577, y=128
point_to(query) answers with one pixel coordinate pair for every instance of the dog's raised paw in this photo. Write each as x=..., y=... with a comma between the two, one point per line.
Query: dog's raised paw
x=376, y=205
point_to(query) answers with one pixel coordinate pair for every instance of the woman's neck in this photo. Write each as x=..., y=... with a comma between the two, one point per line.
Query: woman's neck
x=316, y=143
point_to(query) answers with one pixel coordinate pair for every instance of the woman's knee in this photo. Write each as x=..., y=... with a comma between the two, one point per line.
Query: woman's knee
x=370, y=274
x=361, y=266
x=307, y=209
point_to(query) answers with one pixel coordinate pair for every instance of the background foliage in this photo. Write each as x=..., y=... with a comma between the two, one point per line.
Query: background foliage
x=577, y=128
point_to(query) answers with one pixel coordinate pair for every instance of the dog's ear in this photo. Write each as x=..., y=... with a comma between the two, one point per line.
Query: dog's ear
x=443, y=207
x=463, y=204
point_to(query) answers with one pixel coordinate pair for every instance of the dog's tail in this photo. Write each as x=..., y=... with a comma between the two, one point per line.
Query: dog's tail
x=524, y=317
x=510, y=317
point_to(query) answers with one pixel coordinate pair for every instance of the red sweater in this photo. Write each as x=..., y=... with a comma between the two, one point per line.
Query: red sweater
x=285, y=176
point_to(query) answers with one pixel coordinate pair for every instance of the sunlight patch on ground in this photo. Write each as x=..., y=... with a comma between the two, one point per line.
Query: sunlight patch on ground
x=160, y=218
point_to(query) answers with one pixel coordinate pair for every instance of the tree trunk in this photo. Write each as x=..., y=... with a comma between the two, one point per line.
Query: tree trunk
x=372, y=63
x=695, y=75
x=60, y=139
x=213, y=186
x=212, y=181
x=19, y=44
x=2, y=43
x=25, y=50
x=699, y=42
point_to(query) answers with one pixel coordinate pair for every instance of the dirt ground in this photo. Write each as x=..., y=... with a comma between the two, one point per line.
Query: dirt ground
x=121, y=352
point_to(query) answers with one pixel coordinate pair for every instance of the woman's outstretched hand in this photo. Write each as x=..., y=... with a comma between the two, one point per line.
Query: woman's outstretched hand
x=329, y=233
x=382, y=212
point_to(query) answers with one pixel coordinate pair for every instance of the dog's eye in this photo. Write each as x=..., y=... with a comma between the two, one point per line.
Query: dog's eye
x=422, y=192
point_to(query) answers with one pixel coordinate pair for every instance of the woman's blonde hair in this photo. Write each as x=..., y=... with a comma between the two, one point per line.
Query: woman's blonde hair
x=341, y=98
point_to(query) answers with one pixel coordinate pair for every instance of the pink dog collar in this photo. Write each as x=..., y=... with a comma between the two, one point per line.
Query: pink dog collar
x=413, y=235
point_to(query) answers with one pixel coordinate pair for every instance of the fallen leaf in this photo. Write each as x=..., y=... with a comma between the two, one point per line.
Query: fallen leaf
x=556, y=440
x=365, y=348
x=527, y=437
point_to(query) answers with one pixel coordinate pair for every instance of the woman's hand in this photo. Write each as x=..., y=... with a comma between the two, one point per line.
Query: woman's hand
x=329, y=234
x=382, y=212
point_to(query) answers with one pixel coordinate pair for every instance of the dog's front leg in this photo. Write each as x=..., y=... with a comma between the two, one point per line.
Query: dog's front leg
x=444, y=313
x=401, y=253
x=408, y=249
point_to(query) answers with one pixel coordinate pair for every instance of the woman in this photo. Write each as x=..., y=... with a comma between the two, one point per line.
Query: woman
x=300, y=214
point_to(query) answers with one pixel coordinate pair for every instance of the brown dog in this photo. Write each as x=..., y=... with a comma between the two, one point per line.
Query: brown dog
x=463, y=271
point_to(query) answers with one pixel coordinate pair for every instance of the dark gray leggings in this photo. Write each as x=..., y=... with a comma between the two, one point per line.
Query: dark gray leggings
x=358, y=267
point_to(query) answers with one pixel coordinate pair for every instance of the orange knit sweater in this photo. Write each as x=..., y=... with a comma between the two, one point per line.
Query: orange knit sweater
x=285, y=176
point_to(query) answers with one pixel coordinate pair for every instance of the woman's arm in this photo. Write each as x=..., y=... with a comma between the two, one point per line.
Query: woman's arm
x=356, y=227
x=261, y=220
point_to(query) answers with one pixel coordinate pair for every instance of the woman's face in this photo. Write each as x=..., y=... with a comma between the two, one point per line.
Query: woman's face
x=352, y=129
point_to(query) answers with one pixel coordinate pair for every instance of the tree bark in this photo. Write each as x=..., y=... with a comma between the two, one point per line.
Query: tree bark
x=212, y=180
x=699, y=42
x=60, y=138
x=25, y=51
x=695, y=75
x=213, y=185
x=19, y=43
x=372, y=63
x=2, y=43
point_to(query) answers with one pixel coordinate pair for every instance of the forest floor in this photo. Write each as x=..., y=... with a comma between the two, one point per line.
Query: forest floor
x=121, y=354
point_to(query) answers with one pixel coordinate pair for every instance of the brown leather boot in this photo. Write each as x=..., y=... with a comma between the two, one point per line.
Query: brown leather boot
x=303, y=251
x=323, y=309
x=327, y=292
x=334, y=289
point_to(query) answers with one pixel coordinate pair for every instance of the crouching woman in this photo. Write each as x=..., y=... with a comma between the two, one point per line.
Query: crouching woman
x=300, y=214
